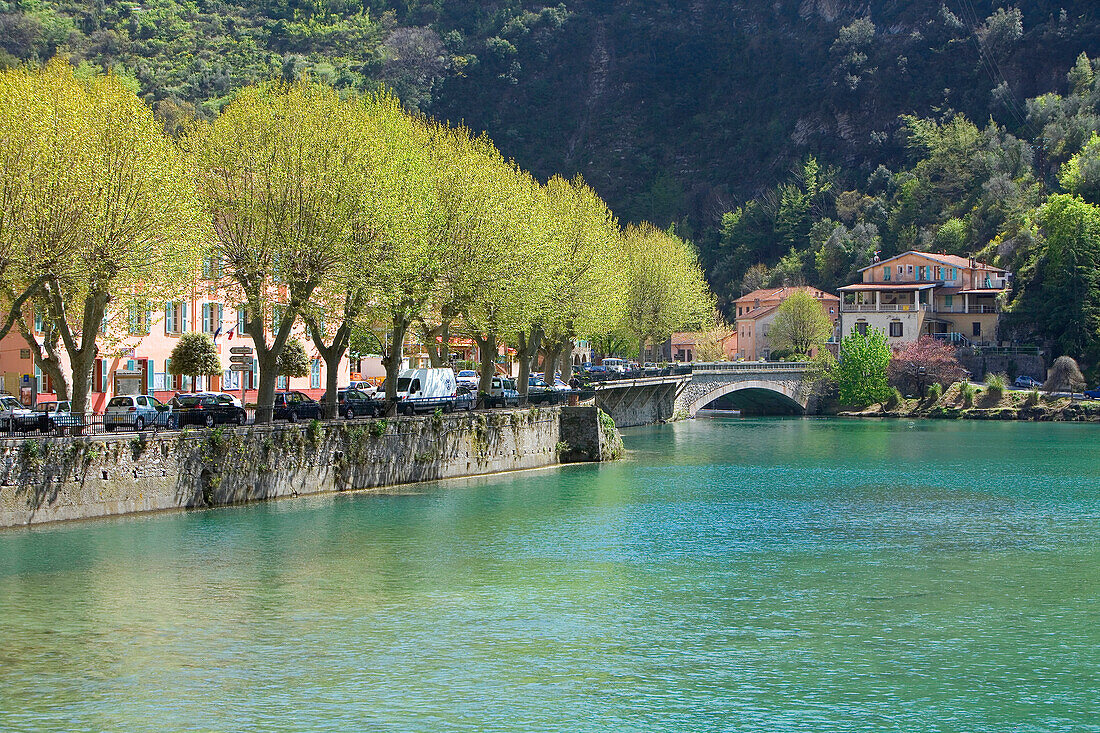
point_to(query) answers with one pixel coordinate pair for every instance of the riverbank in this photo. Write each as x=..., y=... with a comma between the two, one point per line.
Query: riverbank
x=54, y=479
x=982, y=405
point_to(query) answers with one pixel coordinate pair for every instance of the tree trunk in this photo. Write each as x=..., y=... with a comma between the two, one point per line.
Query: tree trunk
x=265, y=389
x=82, y=358
x=527, y=348
x=392, y=361
x=332, y=354
x=641, y=350
x=550, y=363
x=487, y=345
x=566, y=362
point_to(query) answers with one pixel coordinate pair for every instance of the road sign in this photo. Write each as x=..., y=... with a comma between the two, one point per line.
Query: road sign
x=240, y=359
x=240, y=367
x=26, y=379
x=241, y=350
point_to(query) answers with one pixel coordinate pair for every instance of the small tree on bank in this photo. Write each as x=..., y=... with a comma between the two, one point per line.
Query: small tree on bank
x=194, y=355
x=860, y=373
x=800, y=324
x=918, y=364
x=1064, y=376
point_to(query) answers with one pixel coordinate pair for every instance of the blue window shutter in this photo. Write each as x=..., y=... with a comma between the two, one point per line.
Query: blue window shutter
x=221, y=314
x=205, y=318
x=103, y=375
x=130, y=365
x=186, y=325
x=151, y=383
x=168, y=318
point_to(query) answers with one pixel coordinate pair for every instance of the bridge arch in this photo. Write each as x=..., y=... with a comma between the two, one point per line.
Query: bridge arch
x=754, y=396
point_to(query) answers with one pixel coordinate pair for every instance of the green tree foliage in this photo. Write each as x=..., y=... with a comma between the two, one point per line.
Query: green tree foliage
x=277, y=172
x=101, y=205
x=800, y=325
x=1061, y=294
x=861, y=371
x=293, y=360
x=194, y=355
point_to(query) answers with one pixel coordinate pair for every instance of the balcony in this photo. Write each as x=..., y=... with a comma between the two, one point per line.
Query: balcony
x=911, y=308
x=883, y=307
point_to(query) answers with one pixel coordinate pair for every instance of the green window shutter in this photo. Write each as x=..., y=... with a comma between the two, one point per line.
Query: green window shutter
x=103, y=375
x=168, y=318
x=150, y=382
x=186, y=325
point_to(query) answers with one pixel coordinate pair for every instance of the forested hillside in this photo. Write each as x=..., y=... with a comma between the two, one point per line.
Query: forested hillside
x=788, y=139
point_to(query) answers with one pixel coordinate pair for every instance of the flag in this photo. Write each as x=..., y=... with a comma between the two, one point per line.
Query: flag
x=217, y=333
x=230, y=335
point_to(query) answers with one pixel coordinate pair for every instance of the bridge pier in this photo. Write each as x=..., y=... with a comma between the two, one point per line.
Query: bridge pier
x=645, y=401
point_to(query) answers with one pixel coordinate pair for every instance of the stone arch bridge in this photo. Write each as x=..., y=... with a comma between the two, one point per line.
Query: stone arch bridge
x=756, y=388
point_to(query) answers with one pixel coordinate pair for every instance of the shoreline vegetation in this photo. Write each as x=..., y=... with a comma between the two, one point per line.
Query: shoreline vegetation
x=965, y=401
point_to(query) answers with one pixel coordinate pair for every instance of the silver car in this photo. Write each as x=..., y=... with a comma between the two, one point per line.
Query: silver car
x=14, y=416
x=136, y=412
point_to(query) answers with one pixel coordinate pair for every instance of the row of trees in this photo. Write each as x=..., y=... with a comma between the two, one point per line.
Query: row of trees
x=298, y=205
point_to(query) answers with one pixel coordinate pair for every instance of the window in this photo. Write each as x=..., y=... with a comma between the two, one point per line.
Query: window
x=922, y=272
x=241, y=317
x=211, y=268
x=895, y=329
x=174, y=317
x=139, y=318
x=315, y=374
x=949, y=300
x=886, y=273
x=211, y=318
x=909, y=269
x=861, y=328
x=25, y=354
x=954, y=273
x=38, y=321
x=282, y=382
x=977, y=328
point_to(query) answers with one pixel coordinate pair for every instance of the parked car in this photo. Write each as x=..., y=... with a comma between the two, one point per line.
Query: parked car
x=353, y=402
x=137, y=412
x=14, y=416
x=1092, y=394
x=465, y=398
x=426, y=389
x=614, y=365
x=206, y=408
x=56, y=416
x=1025, y=382
x=538, y=391
x=650, y=366
x=294, y=406
x=503, y=393
x=469, y=378
x=367, y=388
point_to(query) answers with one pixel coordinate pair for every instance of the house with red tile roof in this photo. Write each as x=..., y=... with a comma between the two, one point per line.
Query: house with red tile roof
x=755, y=312
x=916, y=293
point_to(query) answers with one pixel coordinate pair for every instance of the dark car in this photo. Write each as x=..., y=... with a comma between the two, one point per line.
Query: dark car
x=465, y=398
x=352, y=402
x=295, y=406
x=207, y=409
x=1092, y=394
x=1026, y=382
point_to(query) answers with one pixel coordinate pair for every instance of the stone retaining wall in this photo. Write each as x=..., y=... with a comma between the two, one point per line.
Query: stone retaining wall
x=50, y=479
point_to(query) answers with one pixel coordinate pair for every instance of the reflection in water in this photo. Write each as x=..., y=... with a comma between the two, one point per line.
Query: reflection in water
x=729, y=575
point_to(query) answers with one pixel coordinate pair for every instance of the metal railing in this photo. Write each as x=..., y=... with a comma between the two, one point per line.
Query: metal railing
x=884, y=307
x=751, y=366
x=170, y=421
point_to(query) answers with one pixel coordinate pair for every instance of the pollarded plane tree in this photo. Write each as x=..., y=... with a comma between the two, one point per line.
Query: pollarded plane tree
x=106, y=212
x=278, y=169
x=386, y=165
x=582, y=272
x=665, y=290
x=493, y=226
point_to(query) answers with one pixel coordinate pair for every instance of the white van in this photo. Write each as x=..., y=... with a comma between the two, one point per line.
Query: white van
x=614, y=365
x=426, y=389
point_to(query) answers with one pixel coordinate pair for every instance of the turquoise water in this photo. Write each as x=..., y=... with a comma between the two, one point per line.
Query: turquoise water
x=751, y=575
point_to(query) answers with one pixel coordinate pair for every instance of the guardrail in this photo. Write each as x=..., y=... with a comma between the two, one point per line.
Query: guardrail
x=752, y=366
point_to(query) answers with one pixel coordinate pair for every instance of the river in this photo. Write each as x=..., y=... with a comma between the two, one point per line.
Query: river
x=730, y=575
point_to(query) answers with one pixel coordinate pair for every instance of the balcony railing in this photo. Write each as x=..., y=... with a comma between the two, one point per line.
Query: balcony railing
x=911, y=308
x=883, y=307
